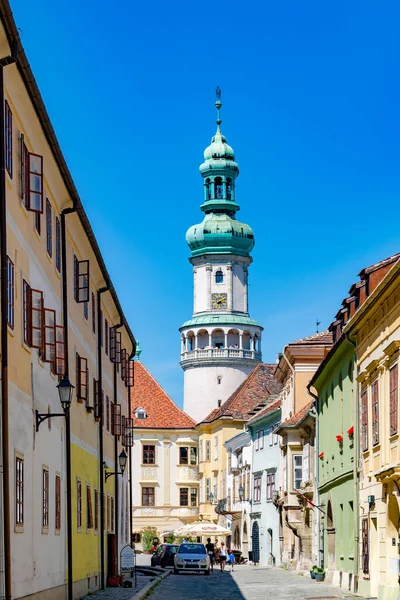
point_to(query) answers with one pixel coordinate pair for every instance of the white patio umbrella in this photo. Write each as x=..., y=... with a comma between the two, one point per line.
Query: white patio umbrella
x=202, y=528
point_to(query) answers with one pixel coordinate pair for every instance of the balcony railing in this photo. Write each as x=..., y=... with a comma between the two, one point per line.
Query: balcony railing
x=220, y=353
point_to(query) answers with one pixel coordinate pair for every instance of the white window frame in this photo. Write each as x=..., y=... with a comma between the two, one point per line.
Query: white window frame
x=296, y=467
x=261, y=432
x=216, y=447
x=306, y=462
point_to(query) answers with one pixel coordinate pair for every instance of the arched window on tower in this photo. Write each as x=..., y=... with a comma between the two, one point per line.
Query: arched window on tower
x=219, y=192
x=219, y=277
x=208, y=187
x=229, y=189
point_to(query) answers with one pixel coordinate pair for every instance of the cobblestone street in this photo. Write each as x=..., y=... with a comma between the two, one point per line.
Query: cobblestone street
x=246, y=583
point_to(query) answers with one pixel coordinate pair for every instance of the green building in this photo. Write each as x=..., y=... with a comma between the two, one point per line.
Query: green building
x=334, y=383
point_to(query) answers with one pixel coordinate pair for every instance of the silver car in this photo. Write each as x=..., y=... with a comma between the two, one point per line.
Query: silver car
x=192, y=557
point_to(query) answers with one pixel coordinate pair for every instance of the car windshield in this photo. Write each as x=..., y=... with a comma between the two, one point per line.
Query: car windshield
x=192, y=549
x=173, y=549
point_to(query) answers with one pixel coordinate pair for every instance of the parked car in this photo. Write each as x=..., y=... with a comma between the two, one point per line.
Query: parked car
x=192, y=557
x=164, y=555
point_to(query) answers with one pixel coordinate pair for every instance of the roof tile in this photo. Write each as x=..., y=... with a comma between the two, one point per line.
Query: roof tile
x=297, y=417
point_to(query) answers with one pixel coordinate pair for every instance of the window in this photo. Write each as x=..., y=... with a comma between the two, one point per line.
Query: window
x=107, y=413
x=49, y=229
x=183, y=455
x=8, y=137
x=394, y=398
x=45, y=505
x=259, y=445
x=19, y=491
x=219, y=194
x=149, y=455
x=58, y=245
x=270, y=486
x=101, y=328
x=208, y=488
x=216, y=448
x=81, y=280
x=219, y=277
x=36, y=302
x=215, y=488
x=116, y=425
x=229, y=189
x=375, y=412
x=93, y=313
x=82, y=378
x=208, y=450
x=96, y=510
x=34, y=183
x=193, y=496
x=193, y=455
x=106, y=335
x=86, y=310
x=58, y=503
x=89, y=511
x=306, y=462
x=10, y=293
x=208, y=189
x=26, y=313
x=365, y=545
x=184, y=497
x=78, y=504
x=201, y=451
x=364, y=420
x=148, y=494
x=297, y=470
x=257, y=489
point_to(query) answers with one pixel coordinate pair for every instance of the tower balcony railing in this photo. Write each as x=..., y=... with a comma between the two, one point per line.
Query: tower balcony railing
x=220, y=353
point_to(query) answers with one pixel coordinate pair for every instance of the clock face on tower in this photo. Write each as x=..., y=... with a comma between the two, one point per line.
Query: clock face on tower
x=219, y=300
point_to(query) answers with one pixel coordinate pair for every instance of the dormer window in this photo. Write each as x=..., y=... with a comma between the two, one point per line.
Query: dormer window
x=141, y=413
x=219, y=276
x=219, y=192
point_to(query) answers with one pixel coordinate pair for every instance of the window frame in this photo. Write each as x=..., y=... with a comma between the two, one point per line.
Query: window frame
x=394, y=398
x=8, y=138
x=19, y=491
x=182, y=460
x=364, y=420
x=219, y=277
x=297, y=467
x=208, y=451
x=146, y=494
x=45, y=499
x=147, y=454
x=375, y=412
x=49, y=228
x=184, y=496
x=57, y=502
x=193, y=496
x=270, y=487
x=79, y=504
x=26, y=313
x=10, y=293
x=58, y=245
x=257, y=488
x=89, y=508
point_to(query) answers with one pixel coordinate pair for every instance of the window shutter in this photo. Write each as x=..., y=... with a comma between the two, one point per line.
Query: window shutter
x=89, y=509
x=23, y=170
x=375, y=413
x=128, y=432
x=131, y=372
x=83, y=379
x=82, y=281
x=59, y=366
x=364, y=420
x=117, y=347
x=49, y=321
x=37, y=318
x=34, y=191
x=98, y=401
x=123, y=429
x=123, y=364
x=116, y=422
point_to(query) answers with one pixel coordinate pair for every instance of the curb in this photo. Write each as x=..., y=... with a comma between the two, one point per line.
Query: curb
x=144, y=592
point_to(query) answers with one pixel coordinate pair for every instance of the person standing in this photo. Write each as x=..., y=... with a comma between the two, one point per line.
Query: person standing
x=231, y=558
x=222, y=556
x=210, y=551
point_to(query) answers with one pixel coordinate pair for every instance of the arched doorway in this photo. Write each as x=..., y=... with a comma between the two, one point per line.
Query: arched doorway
x=255, y=538
x=330, y=530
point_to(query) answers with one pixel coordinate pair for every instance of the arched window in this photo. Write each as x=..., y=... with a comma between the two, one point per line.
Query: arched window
x=219, y=276
x=208, y=186
x=229, y=189
x=219, y=193
x=219, y=379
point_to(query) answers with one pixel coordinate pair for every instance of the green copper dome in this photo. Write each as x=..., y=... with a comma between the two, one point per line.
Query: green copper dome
x=219, y=148
x=220, y=233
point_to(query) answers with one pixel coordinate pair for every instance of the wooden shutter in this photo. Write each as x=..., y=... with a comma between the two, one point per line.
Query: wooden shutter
x=116, y=419
x=112, y=343
x=49, y=330
x=123, y=429
x=82, y=380
x=123, y=364
x=394, y=378
x=37, y=318
x=34, y=191
x=375, y=413
x=131, y=373
x=364, y=420
x=82, y=281
x=128, y=432
x=59, y=366
x=115, y=345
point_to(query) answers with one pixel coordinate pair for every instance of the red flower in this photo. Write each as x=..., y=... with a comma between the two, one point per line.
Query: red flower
x=339, y=438
x=350, y=431
x=321, y=455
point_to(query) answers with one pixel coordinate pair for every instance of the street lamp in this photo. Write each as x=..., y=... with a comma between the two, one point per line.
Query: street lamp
x=122, y=458
x=241, y=493
x=65, y=389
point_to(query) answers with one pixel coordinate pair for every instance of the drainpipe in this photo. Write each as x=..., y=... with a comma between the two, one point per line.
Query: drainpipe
x=356, y=465
x=313, y=413
x=116, y=482
x=101, y=423
x=68, y=469
x=7, y=60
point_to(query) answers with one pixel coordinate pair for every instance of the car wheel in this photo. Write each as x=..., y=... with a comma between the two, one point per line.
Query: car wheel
x=176, y=572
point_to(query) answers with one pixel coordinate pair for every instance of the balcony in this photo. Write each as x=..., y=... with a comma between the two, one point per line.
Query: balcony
x=220, y=353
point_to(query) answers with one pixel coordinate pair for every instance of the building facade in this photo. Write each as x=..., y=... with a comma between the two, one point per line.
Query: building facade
x=61, y=318
x=165, y=461
x=265, y=516
x=220, y=344
x=299, y=526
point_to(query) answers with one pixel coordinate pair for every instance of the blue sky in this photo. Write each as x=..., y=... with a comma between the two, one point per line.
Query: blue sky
x=311, y=107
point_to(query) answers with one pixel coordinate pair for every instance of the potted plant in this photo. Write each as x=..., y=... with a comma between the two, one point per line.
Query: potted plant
x=313, y=571
x=320, y=574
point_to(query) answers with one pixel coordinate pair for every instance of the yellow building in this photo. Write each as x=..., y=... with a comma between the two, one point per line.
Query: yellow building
x=60, y=315
x=375, y=328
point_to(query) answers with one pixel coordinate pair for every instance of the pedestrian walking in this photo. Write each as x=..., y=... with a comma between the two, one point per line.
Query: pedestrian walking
x=222, y=556
x=211, y=551
x=231, y=558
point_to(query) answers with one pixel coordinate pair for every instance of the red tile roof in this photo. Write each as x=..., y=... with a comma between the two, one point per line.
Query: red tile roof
x=323, y=337
x=297, y=417
x=162, y=412
x=258, y=390
x=266, y=411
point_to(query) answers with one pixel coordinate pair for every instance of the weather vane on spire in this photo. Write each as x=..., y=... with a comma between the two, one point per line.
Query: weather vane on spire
x=218, y=105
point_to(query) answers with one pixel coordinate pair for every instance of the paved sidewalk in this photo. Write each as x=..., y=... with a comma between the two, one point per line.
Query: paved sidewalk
x=120, y=593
